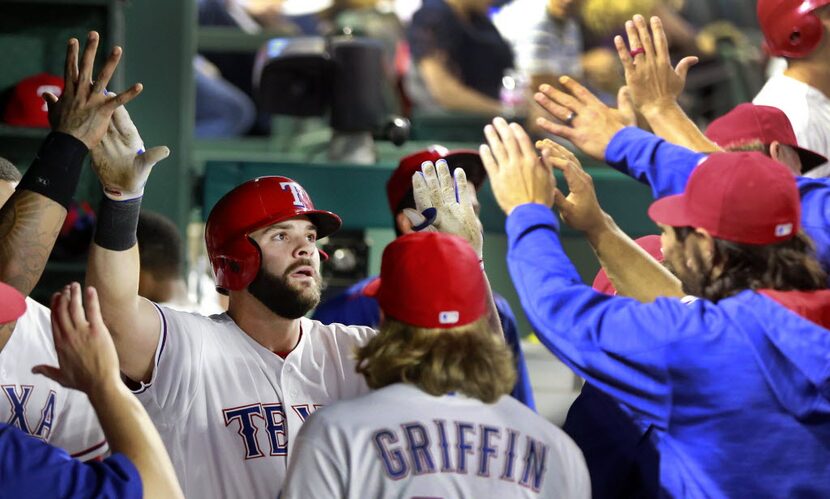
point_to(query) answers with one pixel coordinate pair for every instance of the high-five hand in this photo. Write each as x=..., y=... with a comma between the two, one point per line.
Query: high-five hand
x=587, y=122
x=649, y=75
x=120, y=160
x=516, y=173
x=580, y=209
x=443, y=204
x=84, y=108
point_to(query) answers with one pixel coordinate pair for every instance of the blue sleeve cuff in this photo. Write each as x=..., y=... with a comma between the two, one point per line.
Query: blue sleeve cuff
x=617, y=148
x=527, y=216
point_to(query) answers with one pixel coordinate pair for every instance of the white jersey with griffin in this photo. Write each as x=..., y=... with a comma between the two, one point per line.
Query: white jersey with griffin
x=36, y=404
x=402, y=442
x=228, y=409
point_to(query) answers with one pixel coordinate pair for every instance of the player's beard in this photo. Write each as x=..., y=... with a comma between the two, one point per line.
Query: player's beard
x=280, y=297
x=691, y=268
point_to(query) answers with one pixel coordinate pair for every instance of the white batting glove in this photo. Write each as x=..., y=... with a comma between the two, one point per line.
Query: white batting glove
x=444, y=205
x=120, y=160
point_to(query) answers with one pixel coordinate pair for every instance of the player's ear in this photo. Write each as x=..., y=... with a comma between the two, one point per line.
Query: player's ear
x=404, y=224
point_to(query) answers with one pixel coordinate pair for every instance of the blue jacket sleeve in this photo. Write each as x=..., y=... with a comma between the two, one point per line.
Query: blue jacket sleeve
x=32, y=468
x=616, y=343
x=522, y=391
x=815, y=214
x=665, y=167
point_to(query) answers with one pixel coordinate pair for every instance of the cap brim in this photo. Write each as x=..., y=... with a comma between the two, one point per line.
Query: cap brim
x=327, y=223
x=12, y=304
x=372, y=289
x=670, y=210
x=809, y=159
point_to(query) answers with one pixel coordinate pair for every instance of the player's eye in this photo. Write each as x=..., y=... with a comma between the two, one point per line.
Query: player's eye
x=311, y=238
x=279, y=236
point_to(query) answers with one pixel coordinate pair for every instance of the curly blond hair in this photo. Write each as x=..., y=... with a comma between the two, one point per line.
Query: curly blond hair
x=469, y=359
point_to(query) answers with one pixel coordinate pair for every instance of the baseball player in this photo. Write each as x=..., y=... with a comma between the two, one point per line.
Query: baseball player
x=139, y=466
x=29, y=224
x=734, y=382
x=355, y=308
x=230, y=392
x=440, y=422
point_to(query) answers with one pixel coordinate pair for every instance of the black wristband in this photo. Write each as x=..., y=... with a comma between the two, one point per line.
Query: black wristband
x=117, y=224
x=56, y=169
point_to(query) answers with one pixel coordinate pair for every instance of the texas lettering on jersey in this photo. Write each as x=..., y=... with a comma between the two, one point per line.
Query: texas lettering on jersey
x=461, y=447
x=249, y=419
x=17, y=397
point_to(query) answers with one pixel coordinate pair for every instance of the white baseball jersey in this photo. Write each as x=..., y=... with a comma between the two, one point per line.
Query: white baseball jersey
x=228, y=409
x=36, y=404
x=402, y=442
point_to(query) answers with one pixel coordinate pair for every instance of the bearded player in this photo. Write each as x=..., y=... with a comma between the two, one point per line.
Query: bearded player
x=229, y=392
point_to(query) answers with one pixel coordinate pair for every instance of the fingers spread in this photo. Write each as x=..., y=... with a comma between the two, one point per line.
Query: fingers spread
x=580, y=92
x=106, y=72
x=661, y=45
x=449, y=195
x=420, y=192
x=624, y=55
x=560, y=97
x=645, y=36
x=70, y=72
x=433, y=185
x=87, y=62
x=125, y=96
x=556, y=129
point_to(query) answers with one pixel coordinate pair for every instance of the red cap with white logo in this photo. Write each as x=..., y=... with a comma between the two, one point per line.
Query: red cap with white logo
x=26, y=105
x=741, y=197
x=430, y=280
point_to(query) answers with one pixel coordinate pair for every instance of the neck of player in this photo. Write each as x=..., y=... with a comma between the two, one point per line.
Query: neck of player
x=270, y=330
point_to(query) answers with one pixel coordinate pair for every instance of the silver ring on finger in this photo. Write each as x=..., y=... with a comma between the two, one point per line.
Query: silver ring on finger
x=569, y=120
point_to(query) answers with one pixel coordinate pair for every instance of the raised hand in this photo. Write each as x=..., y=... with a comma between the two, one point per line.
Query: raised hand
x=586, y=121
x=580, y=209
x=120, y=160
x=649, y=75
x=443, y=204
x=84, y=108
x=516, y=173
x=86, y=353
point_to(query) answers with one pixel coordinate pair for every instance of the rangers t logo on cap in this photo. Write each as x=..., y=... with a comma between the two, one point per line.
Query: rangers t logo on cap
x=448, y=317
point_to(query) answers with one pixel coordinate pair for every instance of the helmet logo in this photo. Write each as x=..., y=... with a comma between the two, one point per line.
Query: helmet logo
x=296, y=191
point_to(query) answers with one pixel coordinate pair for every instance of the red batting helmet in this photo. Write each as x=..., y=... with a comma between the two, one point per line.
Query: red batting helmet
x=251, y=206
x=791, y=29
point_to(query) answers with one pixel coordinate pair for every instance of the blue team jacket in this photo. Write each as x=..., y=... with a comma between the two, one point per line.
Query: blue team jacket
x=32, y=468
x=353, y=308
x=738, y=392
x=666, y=168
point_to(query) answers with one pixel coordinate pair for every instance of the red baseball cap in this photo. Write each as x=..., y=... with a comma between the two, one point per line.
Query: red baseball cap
x=400, y=183
x=26, y=105
x=743, y=197
x=431, y=280
x=653, y=247
x=12, y=303
x=748, y=123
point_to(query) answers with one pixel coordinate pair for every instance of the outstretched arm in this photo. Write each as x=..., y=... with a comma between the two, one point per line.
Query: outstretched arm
x=655, y=84
x=123, y=167
x=88, y=362
x=31, y=219
x=632, y=271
